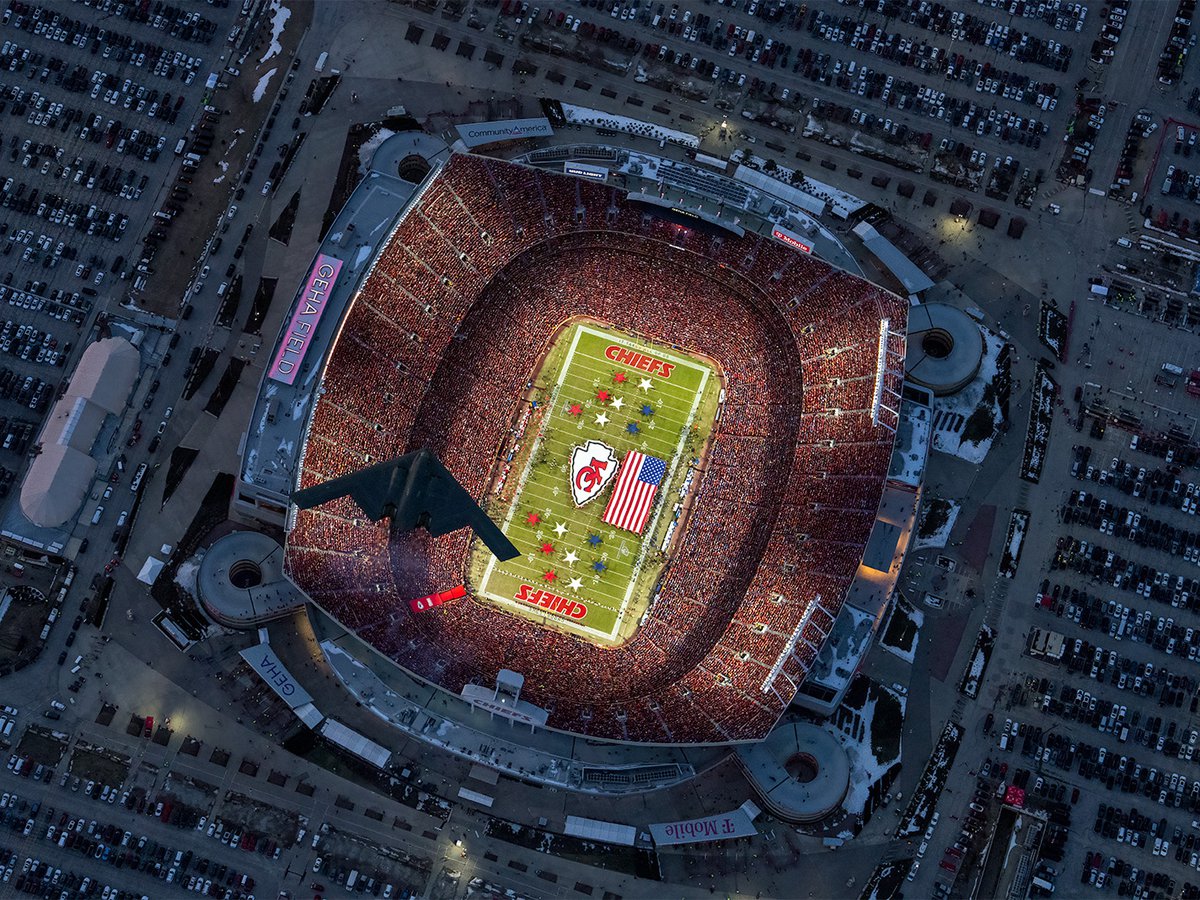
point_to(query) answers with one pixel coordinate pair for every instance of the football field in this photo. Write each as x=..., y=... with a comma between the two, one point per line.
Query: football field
x=600, y=397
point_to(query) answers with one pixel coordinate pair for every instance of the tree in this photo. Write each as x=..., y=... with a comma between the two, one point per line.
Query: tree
x=770, y=165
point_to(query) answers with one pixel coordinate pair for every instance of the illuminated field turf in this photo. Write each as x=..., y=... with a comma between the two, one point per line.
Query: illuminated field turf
x=576, y=571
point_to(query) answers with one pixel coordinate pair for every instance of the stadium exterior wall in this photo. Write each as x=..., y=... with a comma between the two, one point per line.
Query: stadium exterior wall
x=624, y=769
x=255, y=503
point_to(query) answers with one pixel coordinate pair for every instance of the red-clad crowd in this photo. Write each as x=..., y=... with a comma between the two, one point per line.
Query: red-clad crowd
x=438, y=351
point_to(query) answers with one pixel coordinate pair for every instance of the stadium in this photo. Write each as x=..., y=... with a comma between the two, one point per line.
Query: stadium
x=527, y=326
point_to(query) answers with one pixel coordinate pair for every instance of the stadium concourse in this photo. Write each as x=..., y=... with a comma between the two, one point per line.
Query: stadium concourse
x=487, y=262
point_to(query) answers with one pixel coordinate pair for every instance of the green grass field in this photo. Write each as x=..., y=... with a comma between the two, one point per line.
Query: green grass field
x=561, y=543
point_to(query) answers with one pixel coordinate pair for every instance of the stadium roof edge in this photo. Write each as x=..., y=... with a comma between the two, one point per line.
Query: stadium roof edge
x=364, y=224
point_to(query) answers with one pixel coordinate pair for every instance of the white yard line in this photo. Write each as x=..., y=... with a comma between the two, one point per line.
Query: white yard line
x=662, y=493
x=512, y=508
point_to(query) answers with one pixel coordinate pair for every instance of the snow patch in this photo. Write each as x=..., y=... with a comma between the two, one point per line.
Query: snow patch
x=864, y=768
x=582, y=115
x=1041, y=417
x=368, y=148
x=980, y=655
x=279, y=16
x=1017, y=524
x=260, y=89
x=904, y=610
x=187, y=573
x=957, y=408
x=942, y=535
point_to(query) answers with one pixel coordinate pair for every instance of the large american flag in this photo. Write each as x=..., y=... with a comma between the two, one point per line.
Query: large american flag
x=629, y=506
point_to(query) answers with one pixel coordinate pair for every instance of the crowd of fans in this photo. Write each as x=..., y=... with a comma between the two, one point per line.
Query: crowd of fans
x=437, y=352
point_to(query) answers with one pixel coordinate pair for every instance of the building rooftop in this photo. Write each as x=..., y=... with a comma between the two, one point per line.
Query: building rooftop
x=905, y=270
x=913, y=435
x=276, y=428
x=57, y=481
x=847, y=644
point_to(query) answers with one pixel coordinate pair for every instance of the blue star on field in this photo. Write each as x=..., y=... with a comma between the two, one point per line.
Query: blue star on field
x=647, y=409
x=599, y=566
x=595, y=540
x=632, y=428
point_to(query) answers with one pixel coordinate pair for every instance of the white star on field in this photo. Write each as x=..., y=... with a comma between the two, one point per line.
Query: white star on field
x=571, y=557
x=645, y=383
x=602, y=419
x=560, y=529
x=617, y=403
x=575, y=584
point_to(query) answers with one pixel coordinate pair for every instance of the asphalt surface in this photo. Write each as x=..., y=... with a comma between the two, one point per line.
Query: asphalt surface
x=1001, y=277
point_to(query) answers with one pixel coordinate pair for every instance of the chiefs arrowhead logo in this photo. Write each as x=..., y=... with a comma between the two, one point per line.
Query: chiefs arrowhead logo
x=592, y=467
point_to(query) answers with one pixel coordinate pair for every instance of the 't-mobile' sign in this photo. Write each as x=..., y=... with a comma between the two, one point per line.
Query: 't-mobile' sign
x=791, y=239
x=721, y=827
x=293, y=344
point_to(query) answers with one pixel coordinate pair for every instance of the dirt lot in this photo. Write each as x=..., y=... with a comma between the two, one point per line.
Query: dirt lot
x=20, y=630
x=43, y=746
x=388, y=864
x=240, y=810
x=214, y=185
x=100, y=765
x=190, y=791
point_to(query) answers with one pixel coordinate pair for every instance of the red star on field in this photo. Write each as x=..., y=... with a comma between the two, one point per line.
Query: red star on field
x=620, y=378
x=533, y=518
x=575, y=409
x=547, y=548
x=603, y=396
x=550, y=576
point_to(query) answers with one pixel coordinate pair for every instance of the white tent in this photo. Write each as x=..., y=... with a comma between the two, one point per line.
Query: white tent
x=150, y=570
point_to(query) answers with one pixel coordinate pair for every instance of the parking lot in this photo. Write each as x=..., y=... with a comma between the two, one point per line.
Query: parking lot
x=95, y=98
x=1102, y=702
x=88, y=853
x=86, y=821
x=966, y=96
